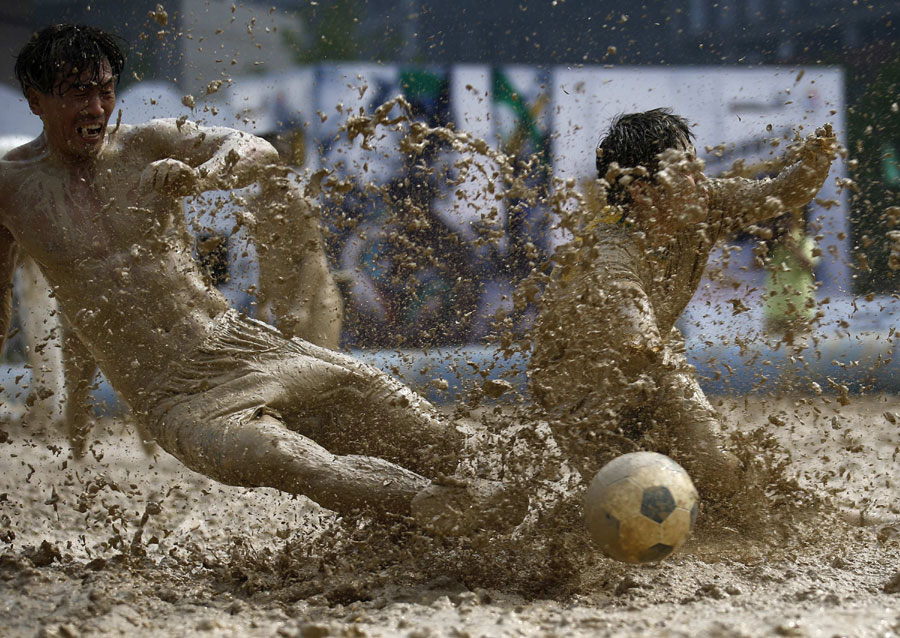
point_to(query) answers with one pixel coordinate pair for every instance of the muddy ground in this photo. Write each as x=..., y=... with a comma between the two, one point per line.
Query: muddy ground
x=129, y=544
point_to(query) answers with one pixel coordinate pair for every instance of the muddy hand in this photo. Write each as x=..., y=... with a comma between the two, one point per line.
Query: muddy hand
x=170, y=177
x=821, y=148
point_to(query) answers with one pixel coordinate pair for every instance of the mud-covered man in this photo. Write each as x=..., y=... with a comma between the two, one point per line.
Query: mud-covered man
x=99, y=208
x=608, y=361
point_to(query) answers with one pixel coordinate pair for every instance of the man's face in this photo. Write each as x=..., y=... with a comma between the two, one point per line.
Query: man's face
x=75, y=114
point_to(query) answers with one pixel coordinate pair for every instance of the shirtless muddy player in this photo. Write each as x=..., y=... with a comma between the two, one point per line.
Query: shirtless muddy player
x=607, y=359
x=296, y=293
x=99, y=208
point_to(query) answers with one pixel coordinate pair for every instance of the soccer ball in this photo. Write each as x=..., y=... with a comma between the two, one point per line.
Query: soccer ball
x=640, y=507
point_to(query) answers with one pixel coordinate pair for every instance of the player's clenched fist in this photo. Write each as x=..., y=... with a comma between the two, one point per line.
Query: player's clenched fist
x=170, y=177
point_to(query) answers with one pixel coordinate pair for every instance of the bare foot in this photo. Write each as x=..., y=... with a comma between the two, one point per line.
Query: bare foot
x=716, y=472
x=460, y=509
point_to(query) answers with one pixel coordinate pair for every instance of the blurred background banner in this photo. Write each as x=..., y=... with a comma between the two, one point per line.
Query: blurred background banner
x=539, y=81
x=554, y=115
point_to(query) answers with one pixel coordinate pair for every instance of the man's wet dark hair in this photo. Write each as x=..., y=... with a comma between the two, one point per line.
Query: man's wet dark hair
x=59, y=51
x=636, y=139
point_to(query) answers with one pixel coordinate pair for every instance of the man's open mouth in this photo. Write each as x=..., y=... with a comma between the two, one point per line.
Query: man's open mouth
x=90, y=131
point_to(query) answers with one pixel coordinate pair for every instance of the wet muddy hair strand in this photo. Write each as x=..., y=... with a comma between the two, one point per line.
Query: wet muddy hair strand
x=60, y=50
x=637, y=139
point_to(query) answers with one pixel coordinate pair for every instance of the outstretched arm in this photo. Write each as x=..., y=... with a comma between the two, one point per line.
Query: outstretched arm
x=196, y=159
x=740, y=202
x=9, y=253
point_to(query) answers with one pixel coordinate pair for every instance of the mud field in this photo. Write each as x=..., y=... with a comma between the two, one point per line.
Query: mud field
x=130, y=544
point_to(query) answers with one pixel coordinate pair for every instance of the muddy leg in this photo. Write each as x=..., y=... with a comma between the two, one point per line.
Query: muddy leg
x=297, y=290
x=692, y=427
x=352, y=407
x=262, y=452
x=39, y=314
x=80, y=370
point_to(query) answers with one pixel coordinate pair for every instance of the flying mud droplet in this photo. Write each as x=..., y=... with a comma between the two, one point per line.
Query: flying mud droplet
x=160, y=15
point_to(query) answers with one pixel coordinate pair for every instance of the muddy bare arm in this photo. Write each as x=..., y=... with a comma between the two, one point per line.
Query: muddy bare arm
x=740, y=202
x=196, y=159
x=237, y=160
x=9, y=253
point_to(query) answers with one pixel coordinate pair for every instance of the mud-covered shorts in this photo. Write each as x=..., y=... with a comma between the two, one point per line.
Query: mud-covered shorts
x=245, y=368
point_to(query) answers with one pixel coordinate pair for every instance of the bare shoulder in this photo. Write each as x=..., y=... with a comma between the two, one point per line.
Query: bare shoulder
x=27, y=152
x=153, y=132
x=17, y=165
x=10, y=176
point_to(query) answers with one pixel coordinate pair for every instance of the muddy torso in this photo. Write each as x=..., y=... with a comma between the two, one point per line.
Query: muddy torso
x=668, y=276
x=119, y=263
